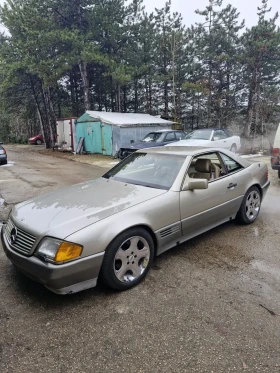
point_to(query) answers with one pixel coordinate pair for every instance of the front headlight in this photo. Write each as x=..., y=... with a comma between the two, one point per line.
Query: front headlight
x=58, y=251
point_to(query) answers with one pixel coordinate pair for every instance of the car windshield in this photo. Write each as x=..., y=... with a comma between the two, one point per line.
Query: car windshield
x=199, y=135
x=154, y=137
x=151, y=170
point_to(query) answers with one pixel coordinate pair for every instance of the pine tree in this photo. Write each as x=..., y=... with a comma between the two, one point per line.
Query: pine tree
x=261, y=58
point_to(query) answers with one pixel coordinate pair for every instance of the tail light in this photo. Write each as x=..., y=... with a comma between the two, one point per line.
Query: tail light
x=276, y=152
x=2, y=151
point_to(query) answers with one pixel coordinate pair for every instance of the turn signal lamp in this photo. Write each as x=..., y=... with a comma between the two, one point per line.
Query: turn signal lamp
x=68, y=251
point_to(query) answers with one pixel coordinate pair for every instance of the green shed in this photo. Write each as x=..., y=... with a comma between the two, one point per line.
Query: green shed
x=107, y=132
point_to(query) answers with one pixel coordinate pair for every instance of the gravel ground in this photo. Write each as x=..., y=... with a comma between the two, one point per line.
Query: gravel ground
x=210, y=305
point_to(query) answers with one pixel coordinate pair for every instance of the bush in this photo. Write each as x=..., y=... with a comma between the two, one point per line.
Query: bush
x=17, y=139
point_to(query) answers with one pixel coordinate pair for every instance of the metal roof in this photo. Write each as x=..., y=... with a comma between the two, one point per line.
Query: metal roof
x=127, y=119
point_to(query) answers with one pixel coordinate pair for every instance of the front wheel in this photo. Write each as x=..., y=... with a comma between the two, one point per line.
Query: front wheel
x=128, y=259
x=122, y=154
x=38, y=142
x=250, y=206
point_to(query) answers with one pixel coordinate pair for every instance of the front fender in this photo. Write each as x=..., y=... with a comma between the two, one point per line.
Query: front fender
x=157, y=213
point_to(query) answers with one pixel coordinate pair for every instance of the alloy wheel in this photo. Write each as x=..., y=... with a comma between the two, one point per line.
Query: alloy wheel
x=131, y=259
x=253, y=204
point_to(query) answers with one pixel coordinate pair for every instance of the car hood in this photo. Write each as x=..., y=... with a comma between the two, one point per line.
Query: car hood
x=68, y=210
x=191, y=142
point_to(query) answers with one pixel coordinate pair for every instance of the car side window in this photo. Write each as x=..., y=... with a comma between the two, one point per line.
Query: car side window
x=179, y=135
x=219, y=135
x=231, y=164
x=206, y=166
x=170, y=136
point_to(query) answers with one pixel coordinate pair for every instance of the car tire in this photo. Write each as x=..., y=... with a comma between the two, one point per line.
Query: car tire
x=250, y=207
x=122, y=154
x=38, y=142
x=233, y=148
x=127, y=259
x=279, y=174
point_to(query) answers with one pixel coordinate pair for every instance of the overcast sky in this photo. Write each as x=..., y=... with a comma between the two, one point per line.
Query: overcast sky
x=247, y=8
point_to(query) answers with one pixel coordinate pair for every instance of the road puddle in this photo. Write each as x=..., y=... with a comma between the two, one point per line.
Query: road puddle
x=266, y=268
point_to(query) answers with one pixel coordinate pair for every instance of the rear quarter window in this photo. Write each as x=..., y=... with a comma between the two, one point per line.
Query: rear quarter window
x=231, y=164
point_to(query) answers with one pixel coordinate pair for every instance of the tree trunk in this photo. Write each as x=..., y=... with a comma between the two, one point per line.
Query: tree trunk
x=124, y=100
x=136, y=95
x=251, y=114
x=51, y=119
x=166, y=99
x=58, y=103
x=112, y=95
x=85, y=81
x=72, y=94
x=148, y=109
x=227, y=99
x=119, y=98
x=150, y=95
x=209, y=100
x=44, y=127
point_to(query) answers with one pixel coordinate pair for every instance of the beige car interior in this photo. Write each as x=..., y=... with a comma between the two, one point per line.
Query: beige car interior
x=205, y=168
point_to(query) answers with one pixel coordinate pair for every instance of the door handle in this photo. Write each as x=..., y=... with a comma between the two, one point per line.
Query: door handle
x=231, y=186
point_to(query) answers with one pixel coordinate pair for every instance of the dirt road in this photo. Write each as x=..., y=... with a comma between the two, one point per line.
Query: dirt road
x=31, y=173
x=210, y=305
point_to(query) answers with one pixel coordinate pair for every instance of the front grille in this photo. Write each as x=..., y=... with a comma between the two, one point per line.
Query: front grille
x=24, y=241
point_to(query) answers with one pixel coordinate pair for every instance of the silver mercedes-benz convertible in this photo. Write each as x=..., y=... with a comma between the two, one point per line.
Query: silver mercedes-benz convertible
x=111, y=228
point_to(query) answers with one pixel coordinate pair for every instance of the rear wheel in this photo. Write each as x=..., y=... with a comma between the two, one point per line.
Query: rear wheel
x=38, y=142
x=250, y=206
x=128, y=259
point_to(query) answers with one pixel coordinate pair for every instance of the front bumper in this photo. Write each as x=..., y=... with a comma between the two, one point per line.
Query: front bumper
x=66, y=278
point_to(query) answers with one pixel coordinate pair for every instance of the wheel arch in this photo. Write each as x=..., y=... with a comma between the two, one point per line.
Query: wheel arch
x=259, y=188
x=143, y=226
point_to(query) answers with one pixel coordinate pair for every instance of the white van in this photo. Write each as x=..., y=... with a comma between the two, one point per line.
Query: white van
x=275, y=159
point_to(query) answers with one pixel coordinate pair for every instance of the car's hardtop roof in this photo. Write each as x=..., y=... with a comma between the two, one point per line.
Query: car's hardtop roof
x=192, y=151
x=210, y=129
x=165, y=130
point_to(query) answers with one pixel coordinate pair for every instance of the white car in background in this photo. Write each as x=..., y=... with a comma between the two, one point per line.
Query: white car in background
x=211, y=137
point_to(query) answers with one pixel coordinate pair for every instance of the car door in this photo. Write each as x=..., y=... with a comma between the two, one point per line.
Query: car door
x=238, y=172
x=204, y=209
x=169, y=138
x=221, y=140
x=179, y=135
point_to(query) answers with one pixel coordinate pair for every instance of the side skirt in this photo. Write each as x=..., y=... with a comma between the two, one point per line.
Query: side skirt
x=177, y=241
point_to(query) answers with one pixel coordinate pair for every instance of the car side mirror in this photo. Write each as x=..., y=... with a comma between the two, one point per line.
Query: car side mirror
x=195, y=184
x=131, y=141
